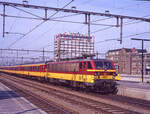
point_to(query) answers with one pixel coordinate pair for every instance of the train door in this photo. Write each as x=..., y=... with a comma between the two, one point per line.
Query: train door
x=46, y=71
x=83, y=67
x=85, y=71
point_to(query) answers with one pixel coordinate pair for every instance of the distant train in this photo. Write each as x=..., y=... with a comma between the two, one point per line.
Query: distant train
x=98, y=75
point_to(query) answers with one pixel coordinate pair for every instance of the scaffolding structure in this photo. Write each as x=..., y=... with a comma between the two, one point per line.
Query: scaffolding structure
x=72, y=46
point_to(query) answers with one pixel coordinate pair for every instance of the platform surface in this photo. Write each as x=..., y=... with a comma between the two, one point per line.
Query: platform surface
x=134, y=89
x=138, y=85
x=12, y=103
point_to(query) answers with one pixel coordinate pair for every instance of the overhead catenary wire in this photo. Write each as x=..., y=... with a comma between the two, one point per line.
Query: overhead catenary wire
x=109, y=18
x=23, y=17
x=13, y=22
x=112, y=9
x=27, y=12
x=126, y=23
x=106, y=28
x=37, y=25
x=128, y=36
x=65, y=21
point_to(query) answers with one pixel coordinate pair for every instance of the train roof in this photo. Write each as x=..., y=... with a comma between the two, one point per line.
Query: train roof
x=35, y=64
x=70, y=61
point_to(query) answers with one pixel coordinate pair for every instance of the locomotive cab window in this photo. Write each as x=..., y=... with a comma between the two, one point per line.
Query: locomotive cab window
x=99, y=64
x=89, y=66
x=108, y=65
x=103, y=65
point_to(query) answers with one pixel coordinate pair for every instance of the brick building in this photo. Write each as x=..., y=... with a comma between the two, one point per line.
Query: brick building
x=129, y=61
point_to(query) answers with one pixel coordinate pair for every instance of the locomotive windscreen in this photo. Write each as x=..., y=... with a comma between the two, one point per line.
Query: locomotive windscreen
x=103, y=65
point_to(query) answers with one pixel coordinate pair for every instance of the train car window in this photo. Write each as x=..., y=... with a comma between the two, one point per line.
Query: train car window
x=47, y=67
x=60, y=67
x=72, y=67
x=84, y=65
x=76, y=67
x=67, y=67
x=63, y=67
x=89, y=66
x=38, y=68
x=53, y=67
x=41, y=67
x=80, y=65
x=50, y=67
x=56, y=67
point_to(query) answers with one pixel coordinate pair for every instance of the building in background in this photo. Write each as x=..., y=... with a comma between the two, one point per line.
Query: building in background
x=73, y=45
x=129, y=61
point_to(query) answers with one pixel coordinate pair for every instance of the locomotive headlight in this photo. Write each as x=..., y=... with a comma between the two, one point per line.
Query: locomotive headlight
x=95, y=74
x=114, y=74
x=113, y=77
x=98, y=73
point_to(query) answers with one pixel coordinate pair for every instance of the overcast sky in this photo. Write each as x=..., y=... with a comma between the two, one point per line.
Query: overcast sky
x=43, y=36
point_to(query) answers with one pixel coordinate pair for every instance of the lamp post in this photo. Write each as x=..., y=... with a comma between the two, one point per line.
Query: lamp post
x=142, y=54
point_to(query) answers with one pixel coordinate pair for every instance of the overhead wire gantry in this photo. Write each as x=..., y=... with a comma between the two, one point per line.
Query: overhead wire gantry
x=88, y=14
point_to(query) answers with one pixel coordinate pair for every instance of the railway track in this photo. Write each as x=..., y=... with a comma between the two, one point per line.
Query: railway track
x=46, y=105
x=76, y=101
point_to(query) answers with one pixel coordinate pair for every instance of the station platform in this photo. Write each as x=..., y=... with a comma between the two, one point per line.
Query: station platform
x=134, y=89
x=12, y=103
